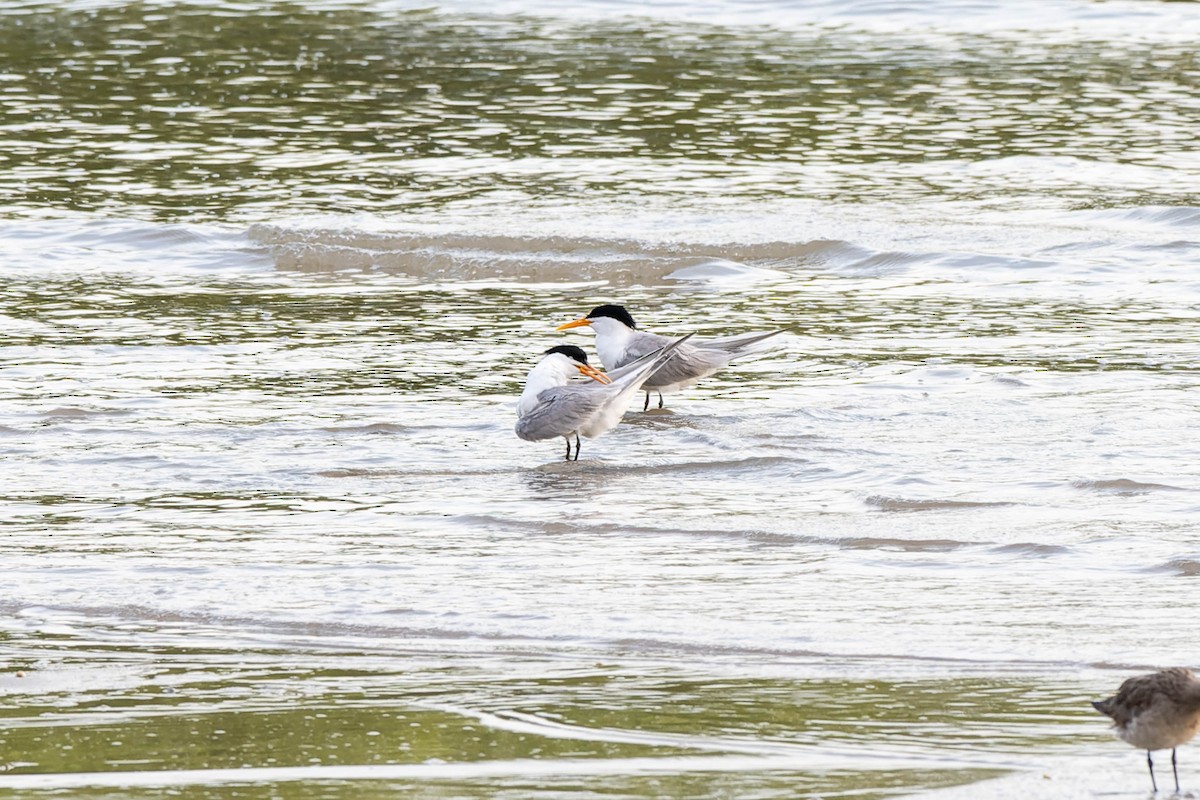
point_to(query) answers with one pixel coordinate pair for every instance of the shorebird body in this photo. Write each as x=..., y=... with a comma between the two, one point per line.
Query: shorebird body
x=1159, y=711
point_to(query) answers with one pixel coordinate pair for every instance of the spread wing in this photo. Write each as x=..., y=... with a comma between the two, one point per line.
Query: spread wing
x=643, y=344
x=560, y=411
x=740, y=344
x=692, y=361
x=689, y=363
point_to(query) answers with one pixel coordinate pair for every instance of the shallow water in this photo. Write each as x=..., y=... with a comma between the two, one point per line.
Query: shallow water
x=271, y=280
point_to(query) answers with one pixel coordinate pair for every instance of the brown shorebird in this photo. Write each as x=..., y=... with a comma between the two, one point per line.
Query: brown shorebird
x=1155, y=712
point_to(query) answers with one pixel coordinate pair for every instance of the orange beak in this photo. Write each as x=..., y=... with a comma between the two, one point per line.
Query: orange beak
x=579, y=323
x=593, y=373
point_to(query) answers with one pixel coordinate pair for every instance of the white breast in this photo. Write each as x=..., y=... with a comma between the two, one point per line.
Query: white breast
x=547, y=374
x=612, y=339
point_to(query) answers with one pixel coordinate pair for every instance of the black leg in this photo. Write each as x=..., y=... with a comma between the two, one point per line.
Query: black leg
x=1175, y=769
x=568, y=438
x=659, y=399
x=576, y=446
x=647, y=406
x=1150, y=762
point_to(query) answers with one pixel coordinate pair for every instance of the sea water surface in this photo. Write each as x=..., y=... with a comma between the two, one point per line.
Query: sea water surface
x=271, y=277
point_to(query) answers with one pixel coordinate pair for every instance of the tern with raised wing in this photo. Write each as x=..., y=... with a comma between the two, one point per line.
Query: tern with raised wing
x=552, y=405
x=619, y=342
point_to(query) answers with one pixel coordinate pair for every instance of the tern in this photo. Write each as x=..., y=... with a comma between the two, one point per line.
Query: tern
x=553, y=406
x=1156, y=711
x=619, y=342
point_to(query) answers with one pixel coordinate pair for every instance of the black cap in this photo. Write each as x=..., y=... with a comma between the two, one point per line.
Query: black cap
x=615, y=312
x=570, y=351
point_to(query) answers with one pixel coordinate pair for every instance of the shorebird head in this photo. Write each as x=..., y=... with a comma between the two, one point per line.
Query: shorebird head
x=569, y=356
x=606, y=312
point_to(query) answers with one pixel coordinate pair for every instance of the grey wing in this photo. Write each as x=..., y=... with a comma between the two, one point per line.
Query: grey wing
x=742, y=343
x=560, y=412
x=689, y=364
x=643, y=344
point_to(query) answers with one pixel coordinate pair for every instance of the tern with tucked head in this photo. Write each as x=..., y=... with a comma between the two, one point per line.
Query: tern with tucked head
x=553, y=406
x=619, y=342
